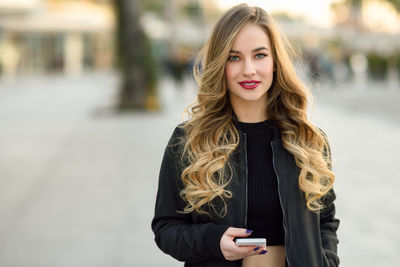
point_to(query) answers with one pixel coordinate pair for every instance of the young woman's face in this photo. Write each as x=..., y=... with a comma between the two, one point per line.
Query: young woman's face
x=250, y=67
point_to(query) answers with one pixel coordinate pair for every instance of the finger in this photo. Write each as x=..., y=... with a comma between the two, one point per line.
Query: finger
x=262, y=251
x=240, y=232
x=256, y=251
x=236, y=252
x=253, y=250
x=246, y=251
x=243, y=252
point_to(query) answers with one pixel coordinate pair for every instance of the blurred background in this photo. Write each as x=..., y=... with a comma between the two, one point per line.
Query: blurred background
x=91, y=90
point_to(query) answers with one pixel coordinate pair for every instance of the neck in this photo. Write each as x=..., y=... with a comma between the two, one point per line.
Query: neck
x=250, y=112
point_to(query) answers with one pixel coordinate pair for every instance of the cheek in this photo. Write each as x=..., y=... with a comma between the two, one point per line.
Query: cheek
x=267, y=68
x=232, y=71
x=228, y=72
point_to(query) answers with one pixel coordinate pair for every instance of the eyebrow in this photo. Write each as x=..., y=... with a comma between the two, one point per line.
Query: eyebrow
x=254, y=50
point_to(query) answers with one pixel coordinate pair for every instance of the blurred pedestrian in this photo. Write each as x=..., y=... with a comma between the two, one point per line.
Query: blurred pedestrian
x=247, y=158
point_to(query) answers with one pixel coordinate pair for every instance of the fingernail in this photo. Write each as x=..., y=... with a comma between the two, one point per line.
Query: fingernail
x=249, y=231
x=256, y=248
x=263, y=252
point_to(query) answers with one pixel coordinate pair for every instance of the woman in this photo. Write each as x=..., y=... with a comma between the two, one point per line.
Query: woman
x=248, y=158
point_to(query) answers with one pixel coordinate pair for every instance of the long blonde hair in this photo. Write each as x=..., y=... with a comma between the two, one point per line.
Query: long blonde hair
x=211, y=135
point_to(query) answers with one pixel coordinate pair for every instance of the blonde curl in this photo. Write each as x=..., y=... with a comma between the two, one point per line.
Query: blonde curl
x=211, y=136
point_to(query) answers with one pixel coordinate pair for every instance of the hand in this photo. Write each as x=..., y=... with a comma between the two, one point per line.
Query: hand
x=232, y=252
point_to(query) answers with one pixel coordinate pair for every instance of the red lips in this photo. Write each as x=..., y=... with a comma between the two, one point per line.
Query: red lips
x=250, y=84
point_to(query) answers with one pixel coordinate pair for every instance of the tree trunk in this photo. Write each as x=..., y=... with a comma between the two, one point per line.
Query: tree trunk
x=135, y=60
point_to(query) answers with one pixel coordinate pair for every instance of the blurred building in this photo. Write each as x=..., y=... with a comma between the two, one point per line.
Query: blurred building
x=371, y=15
x=371, y=25
x=180, y=24
x=46, y=36
x=178, y=28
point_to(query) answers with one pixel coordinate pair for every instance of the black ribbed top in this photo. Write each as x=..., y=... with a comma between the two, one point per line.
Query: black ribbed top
x=264, y=214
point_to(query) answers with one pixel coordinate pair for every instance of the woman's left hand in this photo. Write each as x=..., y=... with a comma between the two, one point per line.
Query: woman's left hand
x=232, y=252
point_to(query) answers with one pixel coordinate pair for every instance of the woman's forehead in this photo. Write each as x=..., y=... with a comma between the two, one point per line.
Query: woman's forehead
x=251, y=37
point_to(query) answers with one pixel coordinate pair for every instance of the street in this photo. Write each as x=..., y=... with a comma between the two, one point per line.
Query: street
x=78, y=181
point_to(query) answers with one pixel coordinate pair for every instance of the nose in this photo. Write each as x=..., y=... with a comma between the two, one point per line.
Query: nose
x=249, y=68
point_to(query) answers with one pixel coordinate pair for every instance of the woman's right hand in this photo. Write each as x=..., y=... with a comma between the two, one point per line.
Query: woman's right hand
x=232, y=252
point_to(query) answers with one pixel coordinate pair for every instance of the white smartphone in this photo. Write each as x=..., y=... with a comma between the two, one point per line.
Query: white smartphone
x=260, y=242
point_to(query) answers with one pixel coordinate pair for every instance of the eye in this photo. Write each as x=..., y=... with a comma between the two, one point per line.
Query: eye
x=261, y=55
x=233, y=58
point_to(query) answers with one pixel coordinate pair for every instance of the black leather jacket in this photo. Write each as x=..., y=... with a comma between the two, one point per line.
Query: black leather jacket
x=310, y=238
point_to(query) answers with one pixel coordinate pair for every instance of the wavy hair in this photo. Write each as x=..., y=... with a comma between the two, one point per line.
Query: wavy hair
x=211, y=136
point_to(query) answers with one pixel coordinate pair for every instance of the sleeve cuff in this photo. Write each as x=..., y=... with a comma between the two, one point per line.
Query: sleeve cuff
x=212, y=239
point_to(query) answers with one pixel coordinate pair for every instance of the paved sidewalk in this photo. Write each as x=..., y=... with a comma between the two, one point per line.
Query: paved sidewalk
x=78, y=182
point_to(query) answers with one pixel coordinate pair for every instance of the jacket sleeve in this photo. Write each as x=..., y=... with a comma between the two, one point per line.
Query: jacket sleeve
x=175, y=233
x=328, y=223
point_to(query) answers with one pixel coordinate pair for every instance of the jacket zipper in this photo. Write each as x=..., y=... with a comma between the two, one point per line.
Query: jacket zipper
x=247, y=179
x=280, y=200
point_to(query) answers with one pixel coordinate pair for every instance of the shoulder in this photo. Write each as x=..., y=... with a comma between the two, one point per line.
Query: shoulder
x=178, y=134
x=324, y=135
x=179, y=130
x=321, y=131
x=177, y=140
